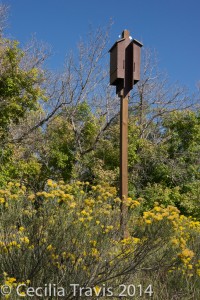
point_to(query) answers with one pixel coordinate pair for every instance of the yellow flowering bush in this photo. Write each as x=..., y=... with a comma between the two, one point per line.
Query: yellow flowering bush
x=70, y=233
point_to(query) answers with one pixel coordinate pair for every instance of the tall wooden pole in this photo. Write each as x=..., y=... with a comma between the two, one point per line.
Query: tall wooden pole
x=124, y=143
x=124, y=73
x=123, y=162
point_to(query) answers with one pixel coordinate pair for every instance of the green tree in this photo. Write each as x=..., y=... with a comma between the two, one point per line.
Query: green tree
x=19, y=88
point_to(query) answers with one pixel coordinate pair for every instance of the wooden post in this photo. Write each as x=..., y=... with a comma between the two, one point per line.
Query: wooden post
x=123, y=162
x=124, y=147
x=124, y=73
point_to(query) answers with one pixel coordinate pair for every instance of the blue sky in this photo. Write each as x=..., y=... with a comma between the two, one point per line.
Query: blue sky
x=171, y=27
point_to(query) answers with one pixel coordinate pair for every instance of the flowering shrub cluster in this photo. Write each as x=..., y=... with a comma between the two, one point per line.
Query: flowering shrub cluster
x=70, y=233
x=183, y=232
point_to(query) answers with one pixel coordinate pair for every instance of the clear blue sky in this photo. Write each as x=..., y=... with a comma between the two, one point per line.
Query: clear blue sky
x=171, y=27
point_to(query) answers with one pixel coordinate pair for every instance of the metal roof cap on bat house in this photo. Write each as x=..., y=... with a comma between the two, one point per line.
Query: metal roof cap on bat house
x=117, y=57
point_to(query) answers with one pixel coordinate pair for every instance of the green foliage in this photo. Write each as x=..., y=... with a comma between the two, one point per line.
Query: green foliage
x=26, y=170
x=60, y=149
x=185, y=132
x=20, y=93
x=19, y=87
x=163, y=171
x=157, y=193
x=190, y=199
x=88, y=125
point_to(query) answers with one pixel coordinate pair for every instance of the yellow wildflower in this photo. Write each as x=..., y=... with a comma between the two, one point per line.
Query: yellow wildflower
x=25, y=240
x=2, y=200
x=21, y=228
